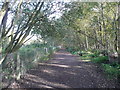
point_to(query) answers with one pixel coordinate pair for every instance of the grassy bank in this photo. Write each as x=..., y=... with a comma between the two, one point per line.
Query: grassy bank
x=112, y=70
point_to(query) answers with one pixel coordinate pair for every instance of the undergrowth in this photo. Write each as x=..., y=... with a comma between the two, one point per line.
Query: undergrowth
x=100, y=57
x=111, y=71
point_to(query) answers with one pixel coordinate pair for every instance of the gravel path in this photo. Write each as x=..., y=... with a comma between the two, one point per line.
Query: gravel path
x=66, y=71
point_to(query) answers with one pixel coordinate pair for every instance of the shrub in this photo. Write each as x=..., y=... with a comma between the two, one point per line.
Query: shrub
x=100, y=59
x=104, y=52
x=93, y=55
x=111, y=70
x=71, y=50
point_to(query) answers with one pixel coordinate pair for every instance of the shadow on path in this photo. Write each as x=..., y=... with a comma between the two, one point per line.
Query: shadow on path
x=65, y=71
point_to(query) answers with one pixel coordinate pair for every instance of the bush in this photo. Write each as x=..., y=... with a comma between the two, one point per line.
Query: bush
x=71, y=50
x=100, y=59
x=111, y=70
x=90, y=54
x=93, y=55
x=33, y=53
x=104, y=52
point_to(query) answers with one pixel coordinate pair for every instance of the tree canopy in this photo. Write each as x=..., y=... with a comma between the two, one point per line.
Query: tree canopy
x=81, y=25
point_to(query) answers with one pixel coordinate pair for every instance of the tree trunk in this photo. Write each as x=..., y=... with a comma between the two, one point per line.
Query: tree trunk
x=3, y=19
x=101, y=34
x=0, y=60
x=104, y=28
x=86, y=41
x=18, y=66
x=119, y=32
x=0, y=73
x=118, y=78
x=116, y=31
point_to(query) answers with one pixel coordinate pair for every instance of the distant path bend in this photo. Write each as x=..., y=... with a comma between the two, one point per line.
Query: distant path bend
x=66, y=71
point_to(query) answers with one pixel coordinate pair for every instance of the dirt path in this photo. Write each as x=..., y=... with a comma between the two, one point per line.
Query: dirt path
x=66, y=71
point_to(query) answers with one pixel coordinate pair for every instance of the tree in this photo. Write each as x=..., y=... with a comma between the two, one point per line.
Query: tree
x=21, y=24
x=23, y=30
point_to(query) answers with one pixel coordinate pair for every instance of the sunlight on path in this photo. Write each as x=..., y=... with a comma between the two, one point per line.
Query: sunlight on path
x=65, y=70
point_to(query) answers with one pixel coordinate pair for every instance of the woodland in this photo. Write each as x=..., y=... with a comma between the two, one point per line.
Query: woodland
x=32, y=31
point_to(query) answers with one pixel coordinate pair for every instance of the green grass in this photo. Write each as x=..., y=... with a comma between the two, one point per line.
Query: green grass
x=85, y=58
x=85, y=55
x=100, y=59
x=28, y=56
x=111, y=71
x=88, y=55
x=45, y=58
x=93, y=56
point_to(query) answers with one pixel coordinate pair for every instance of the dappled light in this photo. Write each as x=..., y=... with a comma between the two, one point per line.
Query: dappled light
x=64, y=75
x=64, y=54
x=55, y=65
x=60, y=58
x=86, y=60
x=36, y=79
x=59, y=44
x=49, y=71
x=77, y=66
